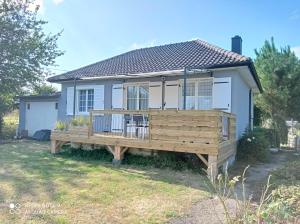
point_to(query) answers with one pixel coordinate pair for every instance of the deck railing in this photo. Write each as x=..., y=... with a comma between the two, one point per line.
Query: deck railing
x=203, y=127
x=120, y=123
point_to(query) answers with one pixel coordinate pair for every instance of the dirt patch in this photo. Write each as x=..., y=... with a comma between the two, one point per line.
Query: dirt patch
x=211, y=210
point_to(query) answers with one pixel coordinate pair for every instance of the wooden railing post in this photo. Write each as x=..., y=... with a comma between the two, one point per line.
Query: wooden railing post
x=91, y=124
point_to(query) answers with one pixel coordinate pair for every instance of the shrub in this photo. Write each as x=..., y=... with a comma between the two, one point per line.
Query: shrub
x=95, y=154
x=253, y=146
x=79, y=121
x=60, y=125
x=271, y=136
x=170, y=160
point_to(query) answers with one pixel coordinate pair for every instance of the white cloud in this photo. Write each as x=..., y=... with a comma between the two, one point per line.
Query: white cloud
x=57, y=2
x=134, y=46
x=295, y=15
x=296, y=50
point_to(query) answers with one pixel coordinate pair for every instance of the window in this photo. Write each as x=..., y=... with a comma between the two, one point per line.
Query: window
x=86, y=100
x=28, y=106
x=190, y=96
x=56, y=106
x=205, y=94
x=137, y=97
x=198, y=94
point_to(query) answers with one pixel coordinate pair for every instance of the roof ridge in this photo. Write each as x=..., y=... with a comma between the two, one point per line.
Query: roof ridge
x=223, y=51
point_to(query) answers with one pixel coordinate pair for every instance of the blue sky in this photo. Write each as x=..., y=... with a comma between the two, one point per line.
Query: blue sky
x=95, y=30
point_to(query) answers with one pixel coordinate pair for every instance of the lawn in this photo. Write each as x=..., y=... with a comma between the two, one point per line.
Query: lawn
x=45, y=188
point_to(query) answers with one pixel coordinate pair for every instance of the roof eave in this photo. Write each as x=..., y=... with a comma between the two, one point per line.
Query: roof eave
x=251, y=67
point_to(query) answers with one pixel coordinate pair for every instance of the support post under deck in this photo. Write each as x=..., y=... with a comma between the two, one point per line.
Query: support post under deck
x=212, y=169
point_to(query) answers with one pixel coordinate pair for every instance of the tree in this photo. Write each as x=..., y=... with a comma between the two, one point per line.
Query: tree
x=25, y=50
x=279, y=72
x=44, y=89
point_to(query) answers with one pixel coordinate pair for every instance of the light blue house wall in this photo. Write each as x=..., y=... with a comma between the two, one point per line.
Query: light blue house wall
x=239, y=100
x=239, y=94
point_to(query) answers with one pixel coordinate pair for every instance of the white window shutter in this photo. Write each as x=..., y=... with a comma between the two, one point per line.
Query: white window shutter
x=70, y=100
x=117, y=96
x=99, y=97
x=155, y=95
x=171, y=95
x=222, y=94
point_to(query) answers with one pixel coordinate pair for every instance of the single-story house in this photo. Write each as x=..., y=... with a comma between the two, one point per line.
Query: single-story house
x=190, y=76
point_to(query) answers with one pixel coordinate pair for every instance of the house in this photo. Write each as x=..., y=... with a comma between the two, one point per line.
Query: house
x=37, y=113
x=176, y=96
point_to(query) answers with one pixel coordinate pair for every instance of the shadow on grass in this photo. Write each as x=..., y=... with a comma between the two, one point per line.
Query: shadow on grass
x=29, y=168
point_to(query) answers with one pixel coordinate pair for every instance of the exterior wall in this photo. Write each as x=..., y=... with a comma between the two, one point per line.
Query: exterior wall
x=43, y=104
x=22, y=115
x=62, y=107
x=239, y=101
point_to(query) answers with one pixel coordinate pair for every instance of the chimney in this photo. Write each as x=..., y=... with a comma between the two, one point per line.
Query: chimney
x=236, y=44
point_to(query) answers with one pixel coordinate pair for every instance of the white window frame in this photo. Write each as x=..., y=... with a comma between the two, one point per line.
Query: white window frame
x=86, y=100
x=136, y=84
x=196, y=97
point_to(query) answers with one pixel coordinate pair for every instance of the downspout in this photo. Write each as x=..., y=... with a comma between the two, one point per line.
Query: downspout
x=163, y=103
x=250, y=109
x=74, y=97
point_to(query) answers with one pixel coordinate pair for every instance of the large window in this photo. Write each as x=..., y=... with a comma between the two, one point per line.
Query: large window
x=137, y=97
x=86, y=100
x=198, y=94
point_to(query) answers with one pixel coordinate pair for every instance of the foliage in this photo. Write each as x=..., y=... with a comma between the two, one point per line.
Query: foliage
x=44, y=89
x=271, y=136
x=96, y=154
x=25, y=50
x=169, y=160
x=10, y=125
x=253, y=145
x=6, y=104
x=60, y=125
x=80, y=121
x=279, y=72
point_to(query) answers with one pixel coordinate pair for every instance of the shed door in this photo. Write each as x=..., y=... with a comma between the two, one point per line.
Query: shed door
x=117, y=103
x=222, y=94
x=40, y=115
x=155, y=95
x=171, y=94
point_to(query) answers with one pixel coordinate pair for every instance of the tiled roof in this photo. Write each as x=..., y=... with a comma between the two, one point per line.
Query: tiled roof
x=196, y=53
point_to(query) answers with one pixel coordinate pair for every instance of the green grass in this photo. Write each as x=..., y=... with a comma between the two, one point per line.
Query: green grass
x=10, y=125
x=90, y=190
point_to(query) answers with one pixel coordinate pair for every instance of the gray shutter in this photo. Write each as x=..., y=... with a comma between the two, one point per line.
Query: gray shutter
x=70, y=100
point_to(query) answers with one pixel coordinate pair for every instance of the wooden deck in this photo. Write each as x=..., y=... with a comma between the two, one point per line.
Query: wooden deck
x=209, y=134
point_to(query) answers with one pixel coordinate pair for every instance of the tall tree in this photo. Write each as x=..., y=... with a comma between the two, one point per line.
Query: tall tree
x=279, y=71
x=44, y=89
x=25, y=50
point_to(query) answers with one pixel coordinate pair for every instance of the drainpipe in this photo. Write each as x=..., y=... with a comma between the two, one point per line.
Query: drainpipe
x=163, y=80
x=74, y=97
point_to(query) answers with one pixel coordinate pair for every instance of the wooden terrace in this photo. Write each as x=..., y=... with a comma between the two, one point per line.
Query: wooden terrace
x=210, y=134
